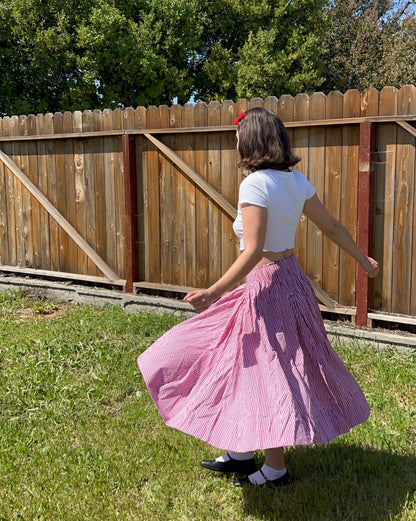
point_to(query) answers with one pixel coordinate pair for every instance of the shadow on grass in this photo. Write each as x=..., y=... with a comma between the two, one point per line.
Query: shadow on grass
x=337, y=482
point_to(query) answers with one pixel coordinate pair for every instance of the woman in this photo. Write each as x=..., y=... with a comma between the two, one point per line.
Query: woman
x=254, y=370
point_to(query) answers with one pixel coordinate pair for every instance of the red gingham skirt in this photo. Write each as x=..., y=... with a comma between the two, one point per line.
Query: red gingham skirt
x=256, y=369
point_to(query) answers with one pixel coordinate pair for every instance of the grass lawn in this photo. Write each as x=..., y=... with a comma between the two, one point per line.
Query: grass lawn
x=80, y=439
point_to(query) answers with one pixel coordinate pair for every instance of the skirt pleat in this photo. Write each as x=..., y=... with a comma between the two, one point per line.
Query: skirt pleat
x=256, y=369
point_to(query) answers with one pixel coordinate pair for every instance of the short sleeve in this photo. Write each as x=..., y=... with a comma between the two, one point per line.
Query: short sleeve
x=308, y=188
x=252, y=193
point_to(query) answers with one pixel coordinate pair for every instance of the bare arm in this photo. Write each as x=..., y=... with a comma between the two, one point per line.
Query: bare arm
x=254, y=233
x=334, y=230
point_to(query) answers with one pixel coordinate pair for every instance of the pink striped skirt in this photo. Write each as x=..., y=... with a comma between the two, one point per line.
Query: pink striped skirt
x=256, y=369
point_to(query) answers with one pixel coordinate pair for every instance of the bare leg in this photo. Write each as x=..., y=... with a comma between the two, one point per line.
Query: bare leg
x=275, y=458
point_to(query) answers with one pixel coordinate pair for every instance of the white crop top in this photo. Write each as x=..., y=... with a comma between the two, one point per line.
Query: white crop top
x=283, y=194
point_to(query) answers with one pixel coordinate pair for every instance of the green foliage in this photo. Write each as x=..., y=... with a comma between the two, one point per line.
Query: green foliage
x=58, y=55
x=369, y=44
x=261, y=48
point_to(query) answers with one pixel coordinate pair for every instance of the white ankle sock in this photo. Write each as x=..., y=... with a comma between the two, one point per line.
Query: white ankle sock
x=239, y=456
x=270, y=474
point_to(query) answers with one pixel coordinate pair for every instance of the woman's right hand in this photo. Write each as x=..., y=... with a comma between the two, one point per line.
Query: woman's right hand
x=370, y=266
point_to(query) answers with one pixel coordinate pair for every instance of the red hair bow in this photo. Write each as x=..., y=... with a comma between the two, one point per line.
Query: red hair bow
x=240, y=117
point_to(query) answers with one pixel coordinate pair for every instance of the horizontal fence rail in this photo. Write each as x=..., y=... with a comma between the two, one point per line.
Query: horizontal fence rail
x=145, y=198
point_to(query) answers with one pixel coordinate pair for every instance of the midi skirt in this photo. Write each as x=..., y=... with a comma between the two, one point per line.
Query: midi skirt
x=255, y=370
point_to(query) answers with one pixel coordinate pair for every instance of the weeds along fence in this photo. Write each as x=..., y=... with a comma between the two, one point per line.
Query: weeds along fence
x=145, y=198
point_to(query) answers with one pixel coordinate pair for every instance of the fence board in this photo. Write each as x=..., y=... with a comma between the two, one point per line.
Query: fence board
x=178, y=185
x=349, y=189
x=404, y=208
x=141, y=144
x=332, y=198
x=69, y=180
x=41, y=157
x=98, y=178
x=17, y=188
x=151, y=201
x=26, y=245
x=110, y=192
x=89, y=210
x=188, y=145
x=34, y=226
x=167, y=205
x=317, y=104
x=214, y=179
x=384, y=201
x=119, y=195
x=229, y=185
x=300, y=148
x=4, y=243
x=201, y=201
x=10, y=200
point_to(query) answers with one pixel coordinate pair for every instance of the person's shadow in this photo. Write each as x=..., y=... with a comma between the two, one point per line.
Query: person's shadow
x=337, y=482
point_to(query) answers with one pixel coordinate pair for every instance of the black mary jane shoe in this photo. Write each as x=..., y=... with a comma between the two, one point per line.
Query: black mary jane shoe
x=279, y=482
x=232, y=465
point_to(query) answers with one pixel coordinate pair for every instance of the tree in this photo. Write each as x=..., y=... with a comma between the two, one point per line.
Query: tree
x=260, y=48
x=138, y=52
x=369, y=44
x=78, y=54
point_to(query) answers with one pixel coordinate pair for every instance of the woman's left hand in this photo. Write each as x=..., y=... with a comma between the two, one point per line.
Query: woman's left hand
x=200, y=299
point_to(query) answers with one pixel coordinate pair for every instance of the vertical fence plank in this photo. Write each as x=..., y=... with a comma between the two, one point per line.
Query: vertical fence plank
x=369, y=102
x=68, y=174
x=130, y=206
x=365, y=215
x=131, y=261
x=18, y=200
x=51, y=147
x=214, y=178
x=26, y=245
x=117, y=124
x=4, y=243
x=178, y=185
x=332, y=199
x=404, y=208
x=167, y=205
x=229, y=185
x=188, y=155
x=141, y=146
x=410, y=108
x=201, y=202
x=99, y=188
x=10, y=199
x=34, y=228
x=317, y=107
x=41, y=157
x=384, y=168
x=241, y=105
x=349, y=187
x=109, y=192
x=300, y=149
x=89, y=194
x=80, y=189
x=152, y=197
x=61, y=192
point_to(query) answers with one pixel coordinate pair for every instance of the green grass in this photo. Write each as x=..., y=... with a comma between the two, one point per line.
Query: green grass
x=80, y=439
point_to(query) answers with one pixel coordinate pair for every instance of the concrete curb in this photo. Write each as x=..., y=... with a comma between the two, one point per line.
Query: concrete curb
x=140, y=303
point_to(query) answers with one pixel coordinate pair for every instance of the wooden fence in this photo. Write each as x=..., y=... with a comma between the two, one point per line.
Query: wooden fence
x=146, y=197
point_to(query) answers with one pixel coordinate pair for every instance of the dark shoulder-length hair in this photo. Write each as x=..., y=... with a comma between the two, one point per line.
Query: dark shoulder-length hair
x=263, y=141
